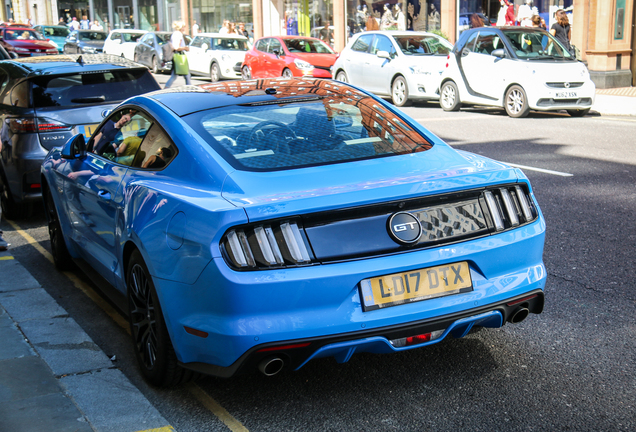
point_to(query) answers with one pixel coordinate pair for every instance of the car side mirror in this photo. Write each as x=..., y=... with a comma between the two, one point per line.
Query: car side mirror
x=75, y=147
x=279, y=53
x=205, y=47
x=499, y=53
x=13, y=55
x=383, y=54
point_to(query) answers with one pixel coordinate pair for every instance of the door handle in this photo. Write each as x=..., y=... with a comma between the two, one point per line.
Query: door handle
x=105, y=195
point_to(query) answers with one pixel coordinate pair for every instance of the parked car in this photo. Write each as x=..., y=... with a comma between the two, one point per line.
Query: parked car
x=123, y=42
x=517, y=68
x=288, y=56
x=55, y=34
x=261, y=224
x=25, y=42
x=42, y=104
x=148, y=51
x=403, y=65
x=85, y=42
x=218, y=56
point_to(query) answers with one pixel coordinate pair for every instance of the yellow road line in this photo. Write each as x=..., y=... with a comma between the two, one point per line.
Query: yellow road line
x=229, y=421
x=6, y=258
x=205, y=399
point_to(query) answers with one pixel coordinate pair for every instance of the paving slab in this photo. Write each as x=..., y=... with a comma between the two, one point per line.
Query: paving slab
x=65, y=347
x=25, y=377
x=53, y=412
x=14, y=276
x=112, y=403
x=29, y=304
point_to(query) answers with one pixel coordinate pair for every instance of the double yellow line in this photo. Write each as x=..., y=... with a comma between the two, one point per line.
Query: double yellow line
x=196, y=391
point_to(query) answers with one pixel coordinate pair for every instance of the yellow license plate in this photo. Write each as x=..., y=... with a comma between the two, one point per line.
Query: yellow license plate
x=86, y=130
x=416, y=285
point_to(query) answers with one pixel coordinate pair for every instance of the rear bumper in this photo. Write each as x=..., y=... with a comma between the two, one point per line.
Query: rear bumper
x=298, y=352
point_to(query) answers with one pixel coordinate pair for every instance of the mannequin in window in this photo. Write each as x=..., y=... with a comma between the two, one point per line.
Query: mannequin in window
x=387, y=21
x=291, y=23
x=400, y=18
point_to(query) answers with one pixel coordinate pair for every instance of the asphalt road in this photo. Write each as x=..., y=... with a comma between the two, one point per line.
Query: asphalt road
x=572, y=368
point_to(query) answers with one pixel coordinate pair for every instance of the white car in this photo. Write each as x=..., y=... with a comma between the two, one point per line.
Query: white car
x=517, y=68
x=218, y=56
x=404, y=65
x=122, y=42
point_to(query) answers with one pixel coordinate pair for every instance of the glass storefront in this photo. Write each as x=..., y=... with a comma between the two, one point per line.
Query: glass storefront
x=210, y=14
x=418, y=15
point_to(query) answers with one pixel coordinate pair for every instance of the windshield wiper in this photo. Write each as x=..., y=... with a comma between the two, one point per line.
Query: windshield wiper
x=90, y=99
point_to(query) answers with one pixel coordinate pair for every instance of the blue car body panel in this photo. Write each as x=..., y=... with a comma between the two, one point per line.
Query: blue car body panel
x=177, y=218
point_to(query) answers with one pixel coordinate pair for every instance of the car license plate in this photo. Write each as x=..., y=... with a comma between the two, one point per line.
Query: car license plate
x=416, y=285
x=565, y=95
x=86, y=130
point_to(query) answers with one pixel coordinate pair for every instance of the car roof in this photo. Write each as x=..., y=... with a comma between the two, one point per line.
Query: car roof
x=18, y=28
x=51, y=26
x=128, y=31
x=397, y=33
x=227, y=93
x=221, y=35
x=68, y=63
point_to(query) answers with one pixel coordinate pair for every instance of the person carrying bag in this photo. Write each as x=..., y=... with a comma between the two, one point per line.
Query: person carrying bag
x=179, y=59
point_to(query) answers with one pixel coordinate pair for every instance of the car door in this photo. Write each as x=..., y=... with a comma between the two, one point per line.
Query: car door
x=144, y=48
x=197, y=52
x=92, y=188
x=273, y=64
x=255, y=58
x=377, y=71
x=483, y=71
x=356, y=57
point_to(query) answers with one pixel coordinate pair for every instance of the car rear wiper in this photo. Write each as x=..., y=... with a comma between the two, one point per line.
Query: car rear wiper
x=90, y=99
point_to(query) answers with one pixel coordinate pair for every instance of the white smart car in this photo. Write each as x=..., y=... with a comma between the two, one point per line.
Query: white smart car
x=218, y=56
x=404, y=65
x=517, y=68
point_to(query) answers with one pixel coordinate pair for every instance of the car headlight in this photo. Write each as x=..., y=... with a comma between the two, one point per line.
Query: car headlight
x=89, y=50
x=419, y=70
x=303, y=65
x=54, y=44
x=21, y=49
x=225, y=57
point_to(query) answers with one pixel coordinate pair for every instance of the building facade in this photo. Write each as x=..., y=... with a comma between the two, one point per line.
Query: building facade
x=602, y=30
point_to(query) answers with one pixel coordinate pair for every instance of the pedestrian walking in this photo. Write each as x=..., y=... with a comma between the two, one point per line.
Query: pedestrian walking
x=242, y=31
x=85, y=23
x=225, y=29
x=538, y=22
x=561, y=30
x=195, y=28
x=179, y=48
x=74, y=25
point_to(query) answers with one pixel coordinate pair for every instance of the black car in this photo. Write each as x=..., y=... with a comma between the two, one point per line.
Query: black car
x=148, y=51
x=85, y=42
x=46, y=100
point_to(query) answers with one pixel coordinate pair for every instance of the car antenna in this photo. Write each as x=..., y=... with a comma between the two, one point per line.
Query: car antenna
x=80, y=60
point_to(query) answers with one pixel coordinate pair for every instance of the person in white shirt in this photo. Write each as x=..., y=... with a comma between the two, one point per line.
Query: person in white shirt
x=179, y=46
x=96, y=26
x=195, y=28
x=74, y=25
x=226, y=27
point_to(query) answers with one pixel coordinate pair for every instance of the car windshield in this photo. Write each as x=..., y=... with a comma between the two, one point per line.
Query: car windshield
x=423, y=45
x=231, y=44
x=307, y=46
x=131, y=37
x=536, y=45
x=55, y=31
x=91, y=87
x=315, y=126
x=92, y=36
x=23, y=35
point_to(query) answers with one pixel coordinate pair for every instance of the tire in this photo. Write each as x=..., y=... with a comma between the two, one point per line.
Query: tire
x=215, y=72
x=155, y=66
x=61, y=257
x=516, y=102
x=11, y=209
x=136, y=58
x=449, y=97
x=578, y=113
x=154, y=351
x=287, y=74
x=400, y=92
x=342, y=77
x=246, y=73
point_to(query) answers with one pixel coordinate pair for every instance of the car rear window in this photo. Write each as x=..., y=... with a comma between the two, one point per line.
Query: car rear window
x=91, y=87
x=315, y=130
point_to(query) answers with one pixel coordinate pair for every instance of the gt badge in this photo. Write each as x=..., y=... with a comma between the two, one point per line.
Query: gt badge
x=404, y=228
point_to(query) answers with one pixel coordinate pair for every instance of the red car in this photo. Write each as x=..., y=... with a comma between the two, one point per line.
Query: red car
x=288, y=56
x=25, y=42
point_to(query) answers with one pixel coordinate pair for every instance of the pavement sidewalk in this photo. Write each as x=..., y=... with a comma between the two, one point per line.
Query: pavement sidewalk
x=52, y=375
x=618, y=101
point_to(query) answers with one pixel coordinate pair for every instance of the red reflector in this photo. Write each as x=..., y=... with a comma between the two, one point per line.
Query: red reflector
x=414, y=340
x=195, y=332
x=35, y=186
x=285, y=347
x=512, y=303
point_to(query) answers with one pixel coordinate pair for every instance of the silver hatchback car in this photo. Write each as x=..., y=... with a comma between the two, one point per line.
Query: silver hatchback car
x=404, y=65
x=46, y=100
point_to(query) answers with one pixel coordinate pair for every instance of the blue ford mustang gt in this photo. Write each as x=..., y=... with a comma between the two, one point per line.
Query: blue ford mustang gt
x=257, y=225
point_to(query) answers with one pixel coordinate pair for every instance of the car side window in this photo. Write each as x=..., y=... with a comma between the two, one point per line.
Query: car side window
x=382, y=43
x=4, y=80
x=274, y=45
x=363, y=43
x=470, y=44
x=156, y=151
x=261, y=45
x=197, y=42
x=486, y=42
x=120, y=136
